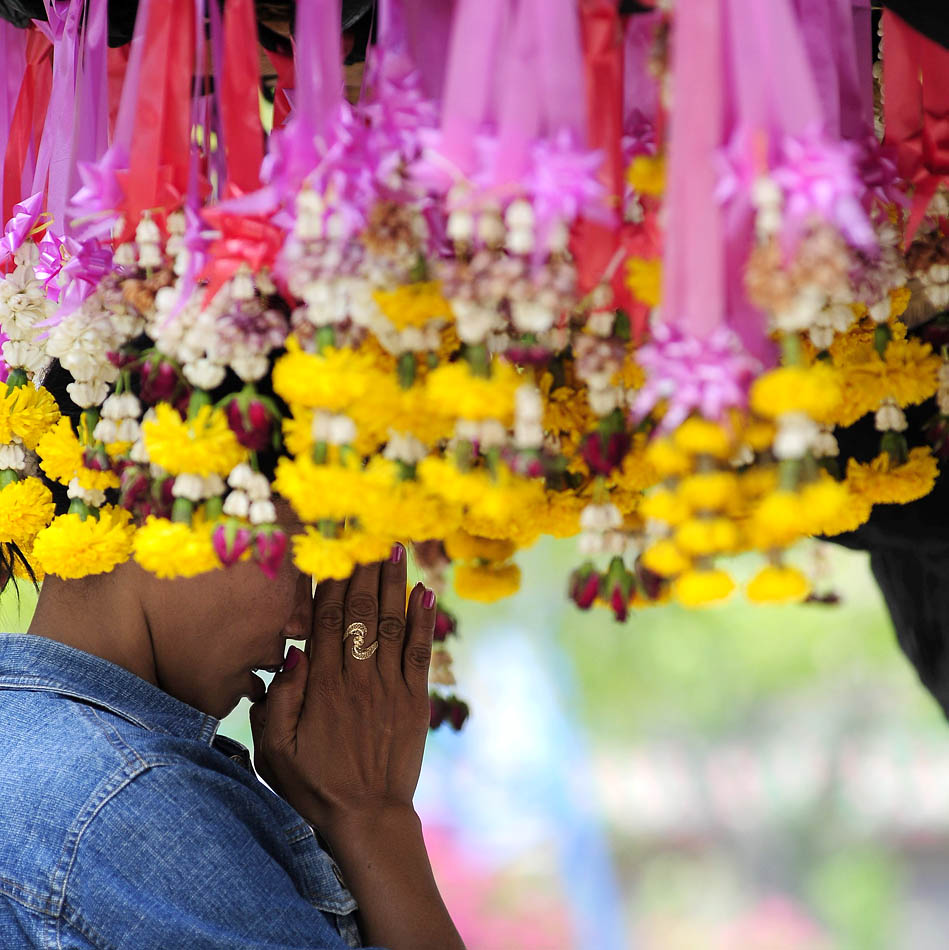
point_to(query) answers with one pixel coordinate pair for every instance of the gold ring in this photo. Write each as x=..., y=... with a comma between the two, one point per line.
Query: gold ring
x=358, y=632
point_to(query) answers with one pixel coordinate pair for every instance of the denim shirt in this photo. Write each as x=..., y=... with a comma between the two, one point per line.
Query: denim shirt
x=126, y=822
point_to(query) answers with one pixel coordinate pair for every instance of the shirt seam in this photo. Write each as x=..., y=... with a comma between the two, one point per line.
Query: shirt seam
x=106, y=791
x=112, y=735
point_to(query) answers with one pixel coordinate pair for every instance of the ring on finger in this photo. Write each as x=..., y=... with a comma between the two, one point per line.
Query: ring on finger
x=358, y=631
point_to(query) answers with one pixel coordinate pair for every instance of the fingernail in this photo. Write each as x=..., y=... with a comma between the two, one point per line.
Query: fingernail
x=428, y=599
x=293, y=657
x=397, y=551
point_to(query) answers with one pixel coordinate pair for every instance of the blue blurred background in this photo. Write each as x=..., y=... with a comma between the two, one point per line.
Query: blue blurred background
x=740, y=778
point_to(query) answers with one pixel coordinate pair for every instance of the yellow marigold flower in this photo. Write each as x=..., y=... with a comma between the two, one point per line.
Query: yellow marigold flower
x=777, y=521
x=334, y=380
x=778, y=585
x=701, y=437
x=647, y=174
x=336, y=558
x=487, y=584
x=316, y=492
x=460, y=393
x=827, y=504
x=814, y=390
x=204, y=445
x=899, y=301
x=664, y=558
x=409, y=505
x=171, y=549
x=759, y=435
x=644, y=279
x=61, y=458
x=413, y=305
x=702, y=587
x=27, y=412
x=630, y=375
x=848, y=517
x=709, y=491
x=667, y=459
x=758, y=481
x=701, y=537
x=298, y=430
x=322, y=558
x=72, y=547
x=562, y=518
x=881, y=483
x=665, y=505
x=461, y=546
x=909, y=374
x=26, y=506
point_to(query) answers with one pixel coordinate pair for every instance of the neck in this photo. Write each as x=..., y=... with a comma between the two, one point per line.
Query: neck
x=100, y=615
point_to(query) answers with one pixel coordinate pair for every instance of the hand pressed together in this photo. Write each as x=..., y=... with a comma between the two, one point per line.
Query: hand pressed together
x=340, y=737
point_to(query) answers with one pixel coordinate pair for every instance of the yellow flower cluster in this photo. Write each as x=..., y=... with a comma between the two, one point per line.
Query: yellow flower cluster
x=73, y=546
x=61, y=458
x=26, y=412
x=169, y=549
x=203, y=445
x=644, y=279
x=413, y=305
x=458, y=392
x=26, y=507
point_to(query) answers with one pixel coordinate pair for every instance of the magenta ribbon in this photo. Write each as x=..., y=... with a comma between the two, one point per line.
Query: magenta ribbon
x=693, y=273
x=25, y=216
x=828, y=28
x=640, y=87
x=428, y=29
x=55, y=160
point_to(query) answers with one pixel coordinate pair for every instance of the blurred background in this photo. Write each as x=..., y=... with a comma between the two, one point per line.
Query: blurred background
x=741, y=777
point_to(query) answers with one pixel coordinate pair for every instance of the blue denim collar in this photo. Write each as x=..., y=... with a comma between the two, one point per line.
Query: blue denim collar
x=38, y=663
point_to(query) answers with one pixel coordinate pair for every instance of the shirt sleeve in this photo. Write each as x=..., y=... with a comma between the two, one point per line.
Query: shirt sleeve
x=180, y=857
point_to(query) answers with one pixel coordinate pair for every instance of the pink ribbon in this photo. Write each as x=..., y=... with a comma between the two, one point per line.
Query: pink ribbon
x=428, y=29
x=318, y=54
x=13, y=57
x=470, y=97
x=693, y=272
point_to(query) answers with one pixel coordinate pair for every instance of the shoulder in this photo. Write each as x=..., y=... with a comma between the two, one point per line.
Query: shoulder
x=182, y=851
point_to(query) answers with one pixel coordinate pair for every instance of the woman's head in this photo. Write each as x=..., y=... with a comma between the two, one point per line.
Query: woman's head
x=199, y=638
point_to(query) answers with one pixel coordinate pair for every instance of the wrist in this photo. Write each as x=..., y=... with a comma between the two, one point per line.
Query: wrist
x=348, y=827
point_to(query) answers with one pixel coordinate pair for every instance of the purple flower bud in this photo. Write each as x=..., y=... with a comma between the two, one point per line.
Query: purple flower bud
x=270, y=544
x=230, y=540
x=251, y=423
x=458, y=713
x=445, y=624
x=160, y=382
x=584, y=586
x=437, y=710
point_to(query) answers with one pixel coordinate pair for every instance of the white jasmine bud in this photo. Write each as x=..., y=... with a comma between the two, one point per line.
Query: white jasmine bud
x=796, y=433
x=889, y=417
x=237, y=504
x=262, y=512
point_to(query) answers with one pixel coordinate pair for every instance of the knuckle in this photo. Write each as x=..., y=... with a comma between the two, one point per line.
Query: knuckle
x=329, y=615
x=391, y=627
x=362, y=605
x=418, y=658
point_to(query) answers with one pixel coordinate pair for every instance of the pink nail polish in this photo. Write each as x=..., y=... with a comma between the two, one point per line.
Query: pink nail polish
x=293, y=657
x=428, y=599
x=396, y=554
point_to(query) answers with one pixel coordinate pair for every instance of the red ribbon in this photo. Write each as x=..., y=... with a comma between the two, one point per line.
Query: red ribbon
x=916, y=106
x=243, y=240
x=283, y=64
x=240, y=104
x=158, y=164
x=596, y=244
x=29, y=116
